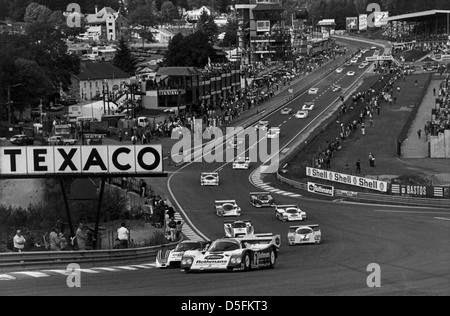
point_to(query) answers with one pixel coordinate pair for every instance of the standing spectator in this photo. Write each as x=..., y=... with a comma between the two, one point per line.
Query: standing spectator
x=148, y=212
x=123, y=235
x=166, y=222
x=419, y=133
x=19, y=242
x=363, y=128
x=143, y=188
x=358, y=166
x=416, y=83
x=54, y=240
x=172, y=228
x=80, y=236
x=171, y=212
x=120, y=135
x=179, y=229
x=434, y=91
x=371, y=160
x=347, y=169
x=62, y=240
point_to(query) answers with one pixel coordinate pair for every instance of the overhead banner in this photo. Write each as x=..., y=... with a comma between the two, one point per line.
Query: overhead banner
x=320, y=189
x=72, y=160
x=352, y=23
x=363, y=22
x=361, y=182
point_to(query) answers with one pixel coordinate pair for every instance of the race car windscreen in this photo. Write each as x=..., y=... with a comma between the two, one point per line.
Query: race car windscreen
x=187, y=246
x=263, y=197
x=239, y=225
x=223, y=245
x=228, y=207
x=304, y=231
x=291, y=211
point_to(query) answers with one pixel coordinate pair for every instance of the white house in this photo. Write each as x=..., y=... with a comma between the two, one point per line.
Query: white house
x=192, y=16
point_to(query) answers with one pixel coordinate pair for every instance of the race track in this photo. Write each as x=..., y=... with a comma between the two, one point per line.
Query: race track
x=409, y=244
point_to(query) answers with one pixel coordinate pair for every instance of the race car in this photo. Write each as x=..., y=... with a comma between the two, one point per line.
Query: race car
x=308, y=106
x=350, y=73
x=238, y=228
x=301, y=114
x=286, y=111
x=313, y=91
x=235, y=143
x=234, y=254
x=339, y=70
x=172, y=258
x=241, y=163
x=289, y=213
x=261, y=199
x=262, y=126
x=227, y=208
x=273, y=132
x=336, y=88
x=209, y=178
x=309, y=234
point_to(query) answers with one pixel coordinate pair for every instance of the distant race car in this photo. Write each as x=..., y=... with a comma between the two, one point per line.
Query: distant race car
x=273, y=132
x=301, y=114
x=261, y=199
x=313, y=91
x=348, y=64
x=339, y=70
x=241, y=163
x=336, y=88
x=286, y=111
x=235, y=143
x=308, y=106
x=209, y=178
x=262, y=126
x=309, y=234
x=238, y=228
x=227, y=208
x=362, y=66
x=234, y=254
x=354, y=60
x=289, y=213
x=172, y=258
x=350, y=73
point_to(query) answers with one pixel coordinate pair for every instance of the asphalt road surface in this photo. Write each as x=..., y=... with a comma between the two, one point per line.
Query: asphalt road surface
x=409, y=244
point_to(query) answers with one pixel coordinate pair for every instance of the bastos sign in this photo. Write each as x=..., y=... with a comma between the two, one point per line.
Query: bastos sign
x=371, y=184
x=80, y=160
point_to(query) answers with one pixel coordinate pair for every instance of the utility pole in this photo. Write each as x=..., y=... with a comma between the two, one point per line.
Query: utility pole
x=8, y=87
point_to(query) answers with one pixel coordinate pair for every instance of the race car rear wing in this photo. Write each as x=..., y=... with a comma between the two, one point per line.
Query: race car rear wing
x=313, y=227
x=232, y=222
x=215, y=174
x=269, y=239
x=287, y=206
x=259, y=193
x=225, y=201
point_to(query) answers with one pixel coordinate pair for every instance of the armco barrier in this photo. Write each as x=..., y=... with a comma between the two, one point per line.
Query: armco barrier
x=23, y=261
x=374, y=198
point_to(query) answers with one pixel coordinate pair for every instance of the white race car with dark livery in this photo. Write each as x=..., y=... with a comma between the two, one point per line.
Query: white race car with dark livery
x=209, y=178
x=235, y=254
x=238, y=228
x=241, y=163
x=273, y=132
x=289, y=213
x=261, y=199
x=308, y=106
x=309, y=234
x=227, y=208
x=262, y=126
x=172, y=258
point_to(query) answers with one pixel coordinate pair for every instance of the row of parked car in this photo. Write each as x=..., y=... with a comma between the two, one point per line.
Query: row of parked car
x=24, y=140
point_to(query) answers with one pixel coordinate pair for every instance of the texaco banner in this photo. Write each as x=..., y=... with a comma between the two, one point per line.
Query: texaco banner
x=332, y=176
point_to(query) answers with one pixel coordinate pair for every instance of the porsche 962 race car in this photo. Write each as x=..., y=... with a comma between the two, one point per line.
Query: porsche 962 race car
x=309, y=234
x=209, y=178
x=261, y=199
x=289, y=213
x=234, y=254
x=238, y=228
x=227, y=208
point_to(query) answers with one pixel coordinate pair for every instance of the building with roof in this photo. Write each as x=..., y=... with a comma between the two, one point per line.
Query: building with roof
x=95, y=77
x=107, y=24
x=268, y=38
x=187, y=88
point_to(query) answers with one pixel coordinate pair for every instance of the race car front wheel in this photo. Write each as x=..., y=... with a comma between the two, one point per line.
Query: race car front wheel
x=273, y=258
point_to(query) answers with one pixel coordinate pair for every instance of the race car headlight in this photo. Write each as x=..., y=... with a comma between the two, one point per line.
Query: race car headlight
x=186, y=261
x=236, y=260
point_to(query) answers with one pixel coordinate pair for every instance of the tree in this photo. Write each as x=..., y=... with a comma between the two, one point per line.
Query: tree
x=17, y=9
x=207, y=26
x=231, y=34
x=123, y=59
x=142, y=15
x=4, y=6
x=168, y=12
x=37, y=13
x=190, y=51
